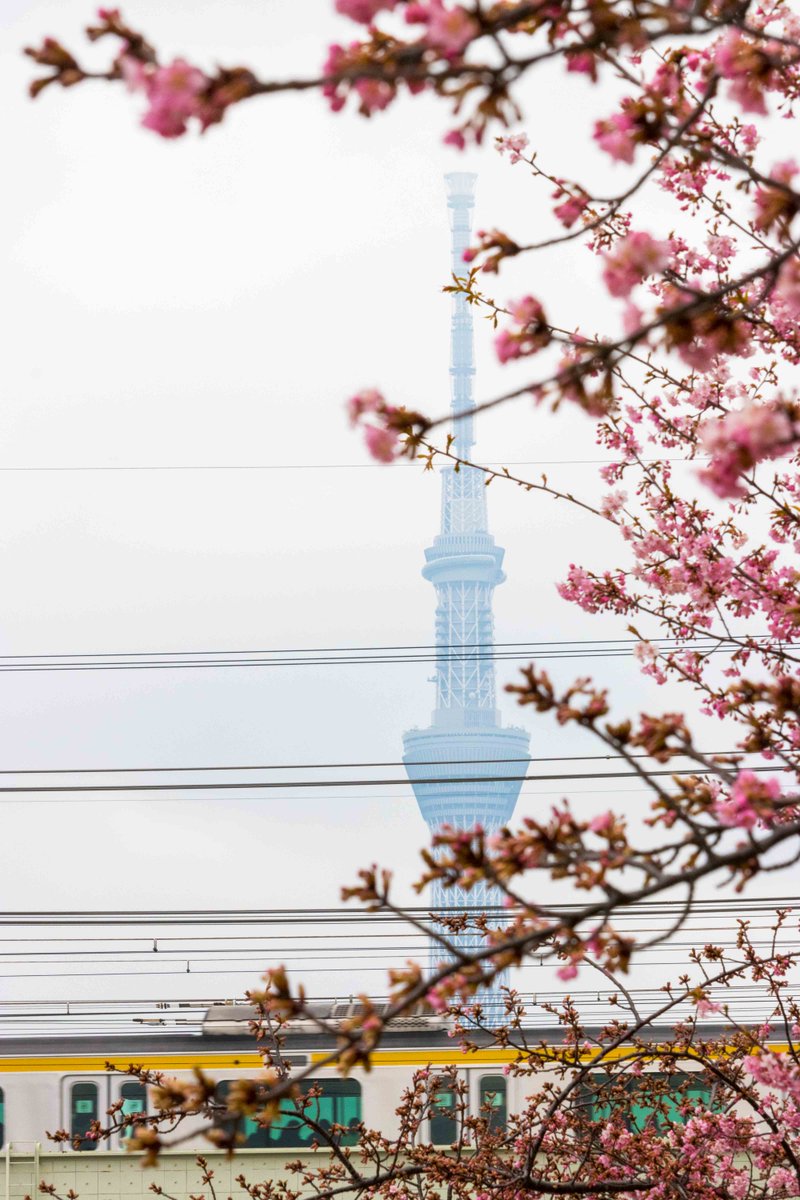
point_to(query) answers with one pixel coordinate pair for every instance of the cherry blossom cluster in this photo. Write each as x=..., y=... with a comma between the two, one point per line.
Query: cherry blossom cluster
x=177, y=93
x=738, y=441
x=383, y=424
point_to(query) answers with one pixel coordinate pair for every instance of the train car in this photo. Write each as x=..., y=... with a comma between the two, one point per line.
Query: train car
x=63, y=1083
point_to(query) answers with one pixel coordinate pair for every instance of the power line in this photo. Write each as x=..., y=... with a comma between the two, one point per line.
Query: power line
x=327, y=914
x=170, y=953
x=144, y=943
x=262, y=784
x=366, y=648
x=437, y=762
x=28, y=800
x=360, y=466
x=469, y=653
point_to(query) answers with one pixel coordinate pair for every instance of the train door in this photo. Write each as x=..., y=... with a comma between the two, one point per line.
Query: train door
x=84, y=1099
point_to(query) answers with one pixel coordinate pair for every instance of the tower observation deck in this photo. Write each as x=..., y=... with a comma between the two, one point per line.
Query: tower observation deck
x=465, y=736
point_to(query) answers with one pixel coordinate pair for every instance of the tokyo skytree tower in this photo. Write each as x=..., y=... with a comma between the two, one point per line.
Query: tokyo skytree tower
x=465, y=739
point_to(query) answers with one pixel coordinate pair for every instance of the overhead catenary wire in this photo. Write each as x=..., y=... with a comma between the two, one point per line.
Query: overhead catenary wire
x=319, y=950
x=348, y=765
x=584, y=794
x=625, y=641
x=325, y=953
x=351, y=656
x=293, y=785
x=144, y=942
x=359, y=466
x=328, y=914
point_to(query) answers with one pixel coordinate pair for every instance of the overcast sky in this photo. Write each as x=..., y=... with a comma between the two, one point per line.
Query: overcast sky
x=212, y=303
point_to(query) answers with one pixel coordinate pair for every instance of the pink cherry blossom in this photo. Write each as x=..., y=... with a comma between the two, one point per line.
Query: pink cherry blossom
x=570, y=209
x=645, y=652
x=335, y=92
x=777, y=202
x=134, y=72
x=775, y=1070
x=786, y=296
x=567, y=972
x=455, y=137
x=374, y=94
x=533, y=334
x=382, y=444
x=363, y=11
x=449, y=30
x=174, y=94
x=706, y=1008
x=583, y=62
x=613, y=502
x=632, y=260
x=602, y=822
x=615, y=136
x=526, y=310
x=436, y=1001
x=738, y=58
x=369, y=400
x=738, y=441
x=515, y=145
x=751, y=799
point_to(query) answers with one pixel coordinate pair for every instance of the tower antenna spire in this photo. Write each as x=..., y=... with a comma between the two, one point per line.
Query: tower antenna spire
x=465, y=565
x=460, y=201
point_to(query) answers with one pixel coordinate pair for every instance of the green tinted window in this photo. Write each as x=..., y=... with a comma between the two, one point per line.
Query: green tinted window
x=444, y=1123
x=492, y=1101
x=646, y=1103
x=339, y=1104
x=2, y=1116
x=83, y=1110
x=134, y=1100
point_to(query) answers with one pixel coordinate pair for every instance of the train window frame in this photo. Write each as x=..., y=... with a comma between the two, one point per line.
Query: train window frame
x=501, y=1091
x=2, y=1116
x=87, y=1145
x=103, y=1084
x=443, y=1087
x=259, y=1137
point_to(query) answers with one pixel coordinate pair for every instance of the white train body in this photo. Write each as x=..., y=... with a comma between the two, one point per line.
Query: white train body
x=64, y=1084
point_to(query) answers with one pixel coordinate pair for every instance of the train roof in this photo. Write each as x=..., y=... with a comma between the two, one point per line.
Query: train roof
x=225, y=1031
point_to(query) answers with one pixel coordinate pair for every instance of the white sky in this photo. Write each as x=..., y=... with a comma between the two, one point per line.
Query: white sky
x=214, y=302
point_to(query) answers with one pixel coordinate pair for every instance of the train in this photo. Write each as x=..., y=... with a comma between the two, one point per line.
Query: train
x=64, y=1083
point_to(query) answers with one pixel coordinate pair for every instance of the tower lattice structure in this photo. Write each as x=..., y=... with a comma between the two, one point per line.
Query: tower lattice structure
x=474, y=764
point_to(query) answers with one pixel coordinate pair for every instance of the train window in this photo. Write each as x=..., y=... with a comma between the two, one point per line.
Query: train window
x=444, y=1124
x=2, y=1116
x=134, y=1100
x=492, y=1101
x=254, y=1134
x=338, y=1104
x=83, y=1110
x=648, y=1103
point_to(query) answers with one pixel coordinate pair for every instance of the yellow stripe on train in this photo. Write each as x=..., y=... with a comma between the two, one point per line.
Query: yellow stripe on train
x=151, y=1062
x=96, y=1063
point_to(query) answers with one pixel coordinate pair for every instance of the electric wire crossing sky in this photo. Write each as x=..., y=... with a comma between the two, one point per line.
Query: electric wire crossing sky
x=464, y=565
